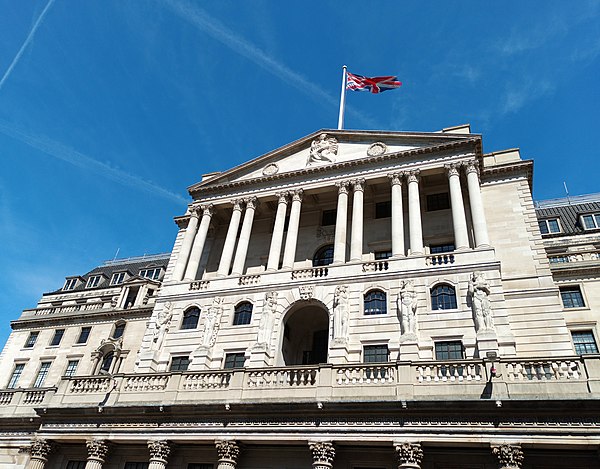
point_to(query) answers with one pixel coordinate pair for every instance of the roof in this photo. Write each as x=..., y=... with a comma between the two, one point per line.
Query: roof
x=568, y=210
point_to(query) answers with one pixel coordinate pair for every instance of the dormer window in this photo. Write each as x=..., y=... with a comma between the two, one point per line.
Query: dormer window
x=117, y=278
x=70, y=284
x=93, y=281
x=152, y=274
x=590, y=221
x=549, y=226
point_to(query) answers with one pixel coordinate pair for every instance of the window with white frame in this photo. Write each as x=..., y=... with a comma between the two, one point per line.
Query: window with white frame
x=152, y=274
x=180, y=363
x=93, y=281
x=549, y=226
x=375, y=302
x=117, y=278
x=42, y=374
x=584, y=342
x=71, y=368
x=70, y=284
x=590, y=221
x=32, y=339
x=571, y=296
x=235, y=360
x=16, y=374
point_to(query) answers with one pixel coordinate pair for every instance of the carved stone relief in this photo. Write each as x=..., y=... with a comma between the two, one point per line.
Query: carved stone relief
x=407, y=309
x=376, y=149
x=479, y=289
x=211, y=323
x=341, y=314
x=265, y=328
x=323, y=149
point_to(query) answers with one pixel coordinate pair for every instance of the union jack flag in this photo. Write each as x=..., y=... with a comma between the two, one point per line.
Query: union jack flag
x=374, y=84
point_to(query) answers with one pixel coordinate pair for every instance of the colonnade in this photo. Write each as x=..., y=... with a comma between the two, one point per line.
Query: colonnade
x=200, y=217
x=409, y=454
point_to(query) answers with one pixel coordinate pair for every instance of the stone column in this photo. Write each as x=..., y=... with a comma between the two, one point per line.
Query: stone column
x=356, y=239
x=38, y=452
x=341, y=224
x=229, y=245
x=397, y=215
x=242, y=248
x=509, y=456
x=289, y=253
x=159, y=454
x=414, y=213
x=459, y=221
x=277, y=238
x=323, y=453
x=186, y=245
x=409, y=455
x=477, y=213
x=200, y=239
x=228, y=451
x=97, y=451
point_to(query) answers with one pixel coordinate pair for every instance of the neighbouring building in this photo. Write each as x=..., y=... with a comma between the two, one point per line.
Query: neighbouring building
x=352, y=300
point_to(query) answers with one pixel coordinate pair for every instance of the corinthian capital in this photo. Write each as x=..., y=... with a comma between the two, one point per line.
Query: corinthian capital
x=413, y=175
x=323, y=453
x=472, y=167
x=283, y=197
x=395, y=178
x=509, y=456
x=251, y=203
x=159, y=450
x=237, y=204
x=208, y=210
x=97, y=450
x=452, y=169
x=342, y=186
x=195, y=210
x=408, y=454
x=228, y=451
x=358, y=184
x=297, y=195
x=40, y=449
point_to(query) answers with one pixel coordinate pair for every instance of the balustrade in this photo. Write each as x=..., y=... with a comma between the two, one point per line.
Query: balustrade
x=310, y=273
x=6, y=397
x=199, y=285
x=449, y=372
x=249, y=280
x=282, y=377
x=89, y=385
x=377, y=266
x=366, y=374
x=34, y=397
x=440, y=259
x=145, y=383
x=206, y=380
x=543, y=370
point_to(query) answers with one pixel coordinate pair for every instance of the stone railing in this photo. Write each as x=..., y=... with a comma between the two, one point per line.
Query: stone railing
x=249, y=280
x=543, y=370
x=315, y=272
x=90, y=384
x=282, y=377
x=365, y=374
x=556, y=260
x=199, y=285
x=22, y=402
x=6, y=397
x=145, y=383
x=450, y=372
x=34, y=397
x=206, y=380
x=440, y=259
x=376, y=266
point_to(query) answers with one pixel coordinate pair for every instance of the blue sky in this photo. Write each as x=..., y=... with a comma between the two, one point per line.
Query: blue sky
x=109, y=110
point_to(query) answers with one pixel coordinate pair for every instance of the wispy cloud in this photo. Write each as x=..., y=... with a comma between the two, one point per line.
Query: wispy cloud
x=68, y=155
x=517, y=95
x=28, y=39
x=217, y=30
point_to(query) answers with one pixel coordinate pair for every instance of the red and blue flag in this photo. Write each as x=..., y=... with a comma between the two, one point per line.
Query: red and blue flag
x=373, y=85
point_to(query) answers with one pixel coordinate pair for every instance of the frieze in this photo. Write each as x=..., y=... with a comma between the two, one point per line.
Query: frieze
x=270, y=169
x=377, y=149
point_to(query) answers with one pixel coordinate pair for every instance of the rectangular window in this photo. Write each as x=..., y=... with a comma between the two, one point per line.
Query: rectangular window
x=71, y=368
x=117, y=278
x=438, y=202
x=328, y=217
x=549, y=226
x=41, y=376
x=119, y=330
x=76, y=465
x=441, y=248
x=180, y=363
x=558, y=259
x=16, y=374
x=375, y=354
x=93, y=281
x=136, y=465
x=572, y=297
x=84, y=334
x=383, y=209
x=591, y=221
x=450, y=350
x=58, y=335
x=584, y=342
x=381, y=255
x=235, y=360
x=152, y=274
x=31, y=339
x=199, y=466
x=70, y=284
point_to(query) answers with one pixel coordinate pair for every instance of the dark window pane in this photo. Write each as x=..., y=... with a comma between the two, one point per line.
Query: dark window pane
x=242, y=314
x=543, y=227
x=76, y=465
x=107, y=362
x=235, y=360
x=83, y=335
x=119, y=329
x=41, y=376
x=381, y=255
x=136, y=465
x=190, y=318
x=16, y=374
x=376, y=354
x=71, y=368
x=572, y=297
x=199, y=466
x=451, y=350
x=383, y=209
x=323, y=256
x=584, y=342
x=328, y=217
x=180, y=363
x=440, y=248
x=31, y=339
x=438, y=202
x=553, y=226
x=58, y=335
x=443, y=297
x=375, y=302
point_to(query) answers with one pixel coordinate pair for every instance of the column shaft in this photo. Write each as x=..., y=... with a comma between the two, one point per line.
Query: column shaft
x=228, y=451
x=289, y=253
x=199, y=241
x=414, y=214
x=242, y=248
x=397, y=216
x=277, y=238
x=93, y=464
x=459, y=221
x=159, y=453
x=477, y=213
x=356, y=239
x=341, y=224
x=39, y=451
x=229, y=246
x=186, y=245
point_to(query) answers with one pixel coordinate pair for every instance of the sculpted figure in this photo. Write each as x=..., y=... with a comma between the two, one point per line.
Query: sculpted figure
x=341, y=313
x=407, y=306
x=211, y=322
x=161, y=326
x=323, y=149
x=268, y=316
x=479, y=289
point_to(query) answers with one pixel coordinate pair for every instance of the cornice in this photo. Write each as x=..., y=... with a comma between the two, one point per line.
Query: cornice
x=506, y=168
x=84, y=316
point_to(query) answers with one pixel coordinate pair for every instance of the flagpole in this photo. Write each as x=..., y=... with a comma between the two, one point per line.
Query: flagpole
x=342, y=99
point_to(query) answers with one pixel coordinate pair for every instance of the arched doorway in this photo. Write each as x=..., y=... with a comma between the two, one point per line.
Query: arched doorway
x=305, y=335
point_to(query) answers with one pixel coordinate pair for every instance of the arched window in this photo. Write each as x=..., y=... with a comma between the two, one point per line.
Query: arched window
x=118, y=330
x=107, y=362
x=375, y=302
x=190, y=318
x=324, y=256
x=242, y=314
x=443, y=296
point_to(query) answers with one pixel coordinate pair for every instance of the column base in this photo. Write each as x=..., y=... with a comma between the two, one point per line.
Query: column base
x=487, y=341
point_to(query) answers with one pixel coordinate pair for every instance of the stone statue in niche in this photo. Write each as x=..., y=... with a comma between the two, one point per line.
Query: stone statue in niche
x=161, y=326
x=341, y=314
x=211, y=323
x=479, y=289
x=407, y=307
x=265, y=328
x=323, y=149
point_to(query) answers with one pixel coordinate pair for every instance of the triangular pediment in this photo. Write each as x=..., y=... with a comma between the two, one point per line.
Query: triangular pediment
x=326, y=149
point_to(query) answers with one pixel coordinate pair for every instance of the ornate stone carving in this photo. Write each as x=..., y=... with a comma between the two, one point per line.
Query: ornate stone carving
x=237, y=204
x=358, y=184
x=342, y=187
x=452, y=169
x=323, y=453
x=409, y=455
x=297, y=195
x=195, y=210
x=251, y=202
x=395, y=178
x=376, y=149
x=306, y=292
x=265, y=328
x=479, y=289
x=323, y=149
x=113, y=301
x=228, y=451
x=509, y=456
x=159, y=450
x=211, y=323
x=40, y=449
x=97, y=450
x=270, y=169
x=283, y=197
x=413, y=175
x=472, y=167
x=407, y=309
x=341, y=314
x=208, y=210
x=162, y=323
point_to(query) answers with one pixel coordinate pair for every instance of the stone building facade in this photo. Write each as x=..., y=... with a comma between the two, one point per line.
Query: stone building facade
x=355, y=300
